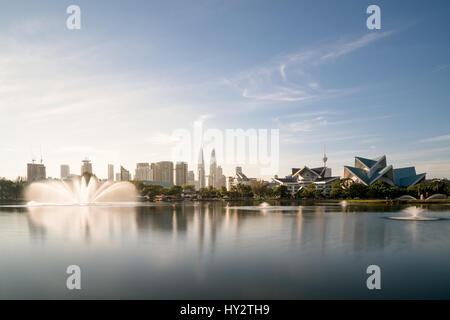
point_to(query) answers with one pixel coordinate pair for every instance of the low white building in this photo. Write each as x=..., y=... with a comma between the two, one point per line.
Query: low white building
x=300, y=178
x=239, y=178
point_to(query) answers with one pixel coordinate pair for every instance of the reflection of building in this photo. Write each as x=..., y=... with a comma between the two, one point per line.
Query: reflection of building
x=239, y=178
x=36, y=172
x=181, y=172
x=162, y=171
x=299, y=179
x=124, y=174
x=65, y=171
x=201, y=170
x=110, y=172
x=368, y=171
x=86, y=166
x=143, y=172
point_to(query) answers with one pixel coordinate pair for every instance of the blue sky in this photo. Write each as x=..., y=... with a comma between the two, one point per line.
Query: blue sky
x=137, y=70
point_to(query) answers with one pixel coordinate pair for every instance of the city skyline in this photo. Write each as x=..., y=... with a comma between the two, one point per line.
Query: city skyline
x=115, y=91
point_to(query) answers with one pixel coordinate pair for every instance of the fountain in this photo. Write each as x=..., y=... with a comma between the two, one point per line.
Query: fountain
x=414, y=215
x=86, y=190
x=264, y=205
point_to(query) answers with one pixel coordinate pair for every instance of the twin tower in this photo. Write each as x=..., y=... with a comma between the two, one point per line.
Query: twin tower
x=216, y=178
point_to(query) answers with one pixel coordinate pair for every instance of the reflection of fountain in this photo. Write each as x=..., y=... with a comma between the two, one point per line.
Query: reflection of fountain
x=414, y=215
x=77, y=223
x=80, y=191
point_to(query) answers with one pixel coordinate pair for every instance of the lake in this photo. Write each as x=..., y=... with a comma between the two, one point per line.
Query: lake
x=218, y=250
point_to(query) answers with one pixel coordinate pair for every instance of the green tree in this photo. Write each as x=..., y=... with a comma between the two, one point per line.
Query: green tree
x=245, y=191
x=336, y=192
x=175, y=191
x=259, y=188
x=378, y=190
x=357, y=190
x=310, y=192
x=223, y=192
x=281, y=192
x=188, y=188
x=152, y=190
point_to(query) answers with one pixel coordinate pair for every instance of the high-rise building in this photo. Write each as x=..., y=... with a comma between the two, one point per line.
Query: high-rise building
x=201, y=170
x=190, y=178
x=143, y=172
x=212, y=170
x=124, y=174
x=181, y=170
x=65, y=171
x=221, y=180
x=110, y=172
x=216, y=178
x=163, y=171
x=118, y=176
x=36, y=171
x=166, y=171
x=86, y=166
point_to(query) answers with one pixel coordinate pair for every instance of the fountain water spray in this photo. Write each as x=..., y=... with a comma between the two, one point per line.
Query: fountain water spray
x=80, y=191
x=414, y=215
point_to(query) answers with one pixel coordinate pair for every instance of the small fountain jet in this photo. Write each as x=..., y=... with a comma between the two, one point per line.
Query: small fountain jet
x=414, y=215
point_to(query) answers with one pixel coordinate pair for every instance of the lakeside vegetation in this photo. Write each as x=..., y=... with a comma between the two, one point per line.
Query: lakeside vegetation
x=12, y=190
x=343, y=189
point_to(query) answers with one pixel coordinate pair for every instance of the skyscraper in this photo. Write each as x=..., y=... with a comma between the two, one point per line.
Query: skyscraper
x=212, y=179
x=86, y=166
x=190, y=178
x=216, y=178
x=65, y=171
x=124, y=174
x=143, y=172
x=181, y=173
x=110, y=172
x=36, y=172
x=201, y=170
x=163, y=171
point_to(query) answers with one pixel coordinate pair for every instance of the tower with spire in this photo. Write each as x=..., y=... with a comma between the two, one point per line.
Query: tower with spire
x=324, y=159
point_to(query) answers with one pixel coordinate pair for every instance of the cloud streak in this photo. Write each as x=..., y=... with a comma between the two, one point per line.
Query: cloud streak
x=293, y=77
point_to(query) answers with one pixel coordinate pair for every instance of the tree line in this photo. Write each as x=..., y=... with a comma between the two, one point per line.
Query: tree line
x=347, y=189
x=257, y=190
x=340, y=189
x=12, y=190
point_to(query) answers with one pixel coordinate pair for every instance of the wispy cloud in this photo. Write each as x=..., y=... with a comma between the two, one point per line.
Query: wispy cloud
x=347, y=47
x=293, y=77
x=442, y=67
x=435, y=139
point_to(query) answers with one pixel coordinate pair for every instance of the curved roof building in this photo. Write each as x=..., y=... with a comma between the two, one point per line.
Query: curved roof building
x=368, y=171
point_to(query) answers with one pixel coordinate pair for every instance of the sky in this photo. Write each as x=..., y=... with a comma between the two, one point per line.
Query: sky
x=116, y=89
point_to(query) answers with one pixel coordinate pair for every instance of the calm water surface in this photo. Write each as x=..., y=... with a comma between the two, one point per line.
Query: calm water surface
x=223, y=251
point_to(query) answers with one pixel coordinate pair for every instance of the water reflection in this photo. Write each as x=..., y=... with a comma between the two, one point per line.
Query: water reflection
x=219, y=250
x=320, y=227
